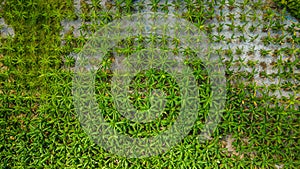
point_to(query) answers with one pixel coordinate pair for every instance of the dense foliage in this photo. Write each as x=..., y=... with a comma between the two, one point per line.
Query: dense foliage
x=292, y=5
x=259, y=126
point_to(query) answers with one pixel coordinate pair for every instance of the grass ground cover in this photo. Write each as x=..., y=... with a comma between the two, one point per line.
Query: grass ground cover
x=258, y=42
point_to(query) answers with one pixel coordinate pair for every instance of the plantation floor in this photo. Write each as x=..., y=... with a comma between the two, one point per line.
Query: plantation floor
x=39, y=128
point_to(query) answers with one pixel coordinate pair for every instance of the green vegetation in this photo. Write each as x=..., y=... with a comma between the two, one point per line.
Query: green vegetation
x=292, y=5
x=38, y=124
